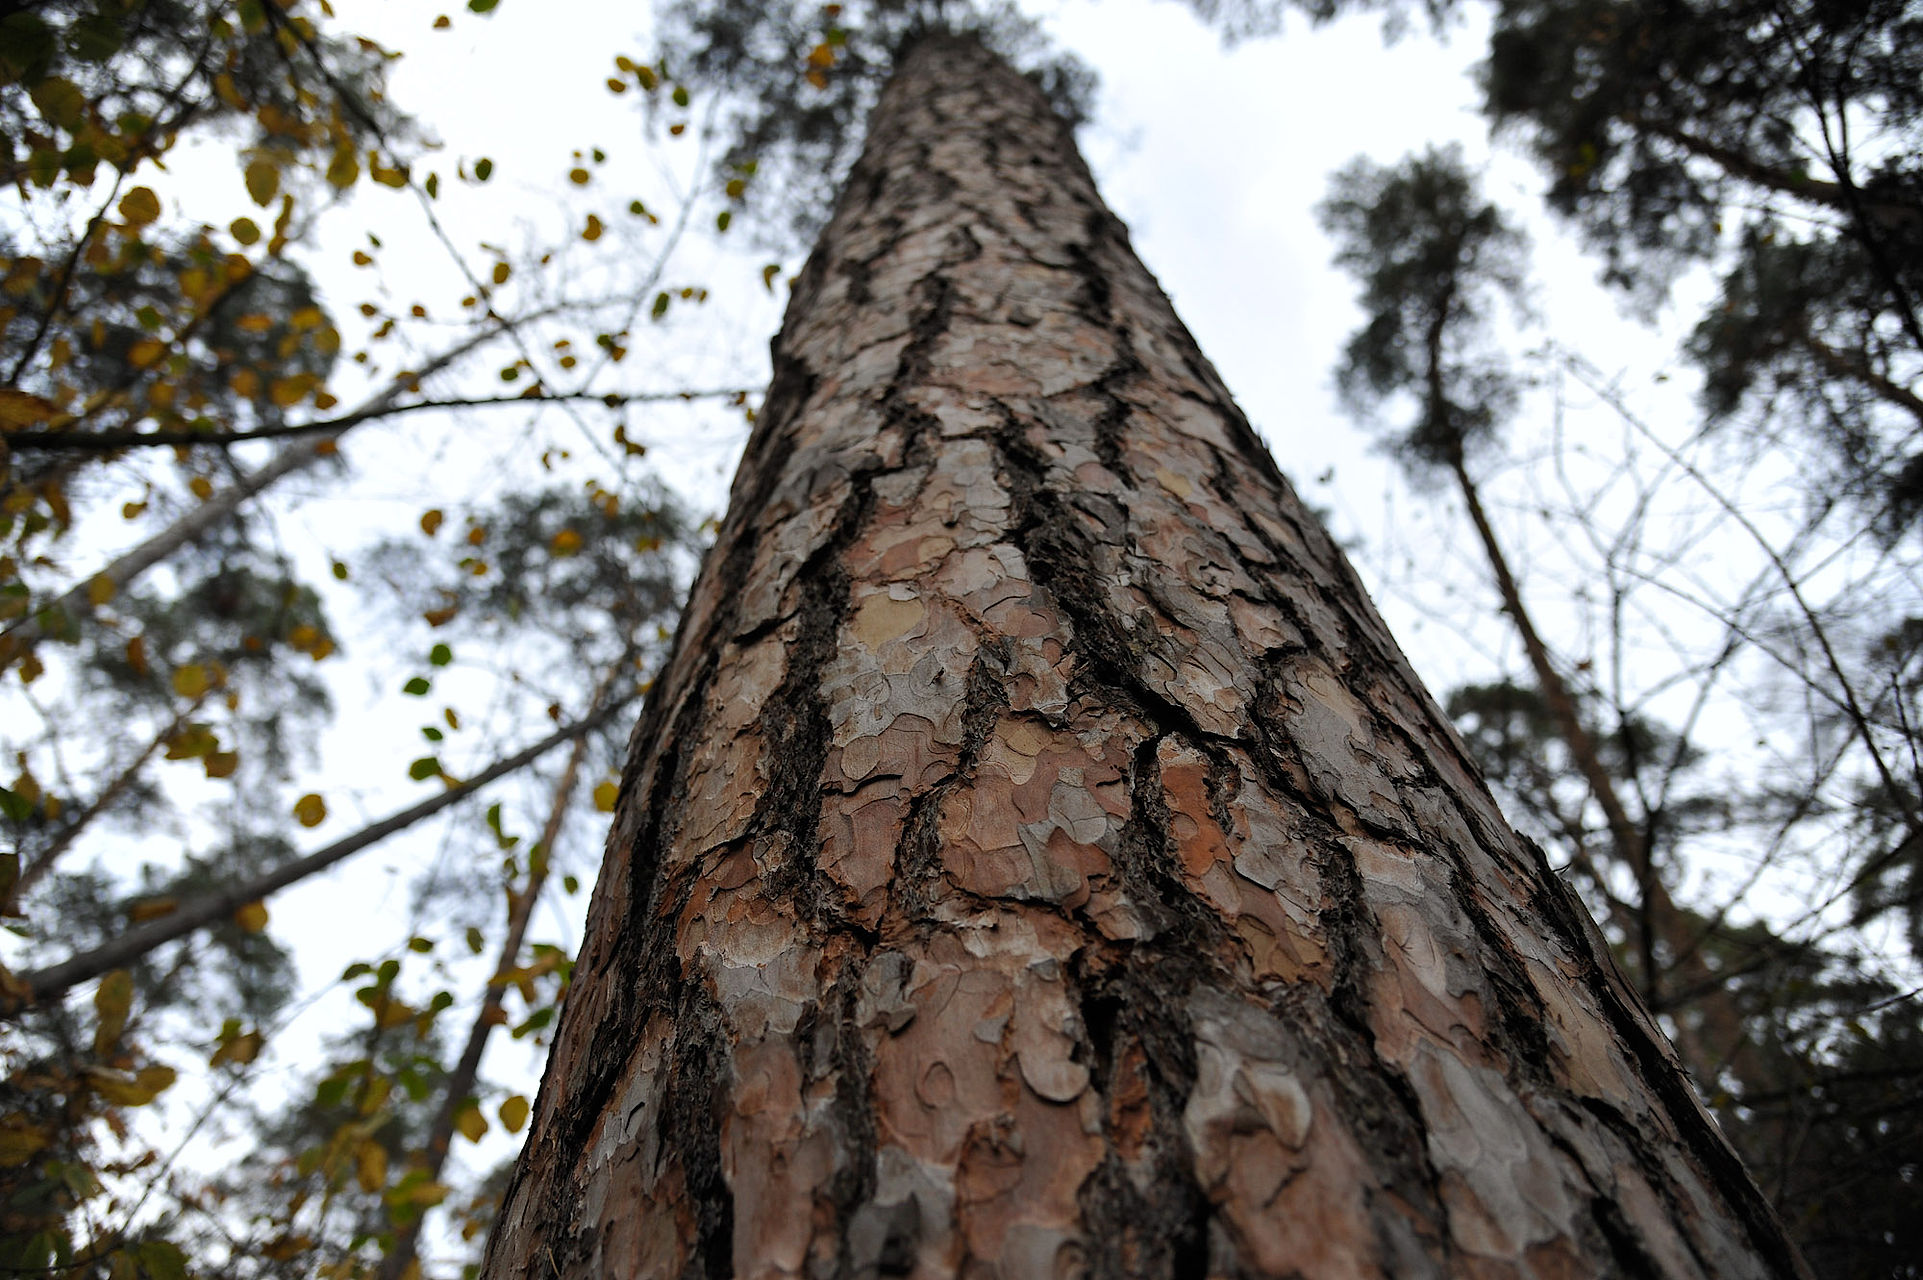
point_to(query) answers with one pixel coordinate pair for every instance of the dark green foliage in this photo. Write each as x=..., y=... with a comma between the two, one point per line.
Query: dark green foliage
x=1240, y=20
x=1432, y=257
x=1825, y=1108
x=1801, y=333
x=1652, y=119
x=799, y=123
x=1659, y=125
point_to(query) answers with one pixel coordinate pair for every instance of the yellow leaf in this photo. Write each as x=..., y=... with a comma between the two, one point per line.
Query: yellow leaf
x=239, y=1049
x=21, y=409
x=345, y=169
x=822, y=55
x=254, y=322
x=221, y=764
x=17, y=1146
x=565, y=543
x=471, y=1123
x=431, y=521
x=605, y=796
x=514, y=1113
x=263, y=181
x=145, y=352
x=593, y=229
x=501, y=272
x=140, y=206
x=370, y=1165
x=152, y=909
x=191, y=681
x=306, y=318
x=252, y=918
x=579, y=177
x=245, y=230
x=310, y=810
x=100, y=589
x=137, y=654
x=817, y=79
x=202, y=487
x=130, y=1089
x=245, y=382
x=112, y=1000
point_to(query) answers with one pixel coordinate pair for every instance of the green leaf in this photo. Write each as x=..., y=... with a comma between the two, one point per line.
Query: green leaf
x=418, y=686
x=96, y=37
x=538, y=1019
x=424, y=768
x=62, y=102
x=13, y=807
x=482, y=6
x=162, y=1260
x=483, y=169
x=660, y=307
x=440, y=655
x=432, y=734
x=26, y=47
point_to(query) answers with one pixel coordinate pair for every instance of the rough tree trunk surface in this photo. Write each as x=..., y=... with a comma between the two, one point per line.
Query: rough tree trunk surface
x=1037, y=859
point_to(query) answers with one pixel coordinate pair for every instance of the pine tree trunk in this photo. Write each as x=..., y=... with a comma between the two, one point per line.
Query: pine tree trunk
x=1037, y=859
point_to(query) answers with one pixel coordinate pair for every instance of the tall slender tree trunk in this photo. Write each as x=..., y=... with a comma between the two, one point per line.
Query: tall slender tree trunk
x=1038, y=860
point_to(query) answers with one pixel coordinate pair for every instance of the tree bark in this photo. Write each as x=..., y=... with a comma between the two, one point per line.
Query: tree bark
x=1036, y=858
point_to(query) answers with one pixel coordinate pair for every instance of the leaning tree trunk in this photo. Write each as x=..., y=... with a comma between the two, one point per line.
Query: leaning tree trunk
x=1037, y=859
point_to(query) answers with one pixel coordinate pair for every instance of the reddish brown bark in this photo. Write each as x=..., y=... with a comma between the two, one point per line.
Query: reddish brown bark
x=1038, y=860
